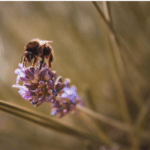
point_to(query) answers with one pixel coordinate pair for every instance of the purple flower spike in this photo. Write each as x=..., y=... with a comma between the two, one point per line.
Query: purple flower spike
x=42, y=85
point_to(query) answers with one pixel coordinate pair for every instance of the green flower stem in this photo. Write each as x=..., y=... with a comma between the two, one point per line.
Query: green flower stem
x=119, y=125
x=101, y=132
x=133, y=130
x=47, y=121
x=91, y=123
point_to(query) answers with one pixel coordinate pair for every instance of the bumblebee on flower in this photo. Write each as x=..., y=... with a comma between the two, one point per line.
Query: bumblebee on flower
x=40, y=84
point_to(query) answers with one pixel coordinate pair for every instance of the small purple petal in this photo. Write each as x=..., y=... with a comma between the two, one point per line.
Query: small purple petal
x=65, y=111
x=32, y=102
x=54, y=112
x=24, y=93
x=58, y=86
x=20, y=73
x=50, y=73
x=50, y=91
x=29, y=74
x=35, y=98
x=24, y=79
x=74, y=90
x=56, y=104
x=48, y=98
x=47, y=77
x=50, y=84
x=21, y=65
x=54, y=74
x=55, y=92
x=41, y=99
x=43, y=73
x=41, y=83
x=70, y=93
x=53, y=100
x=67, y=82
x=30, y=86
x=59, y=79
x=44, y=64
x=36, y=74
x=32, y=69
x=36, y=71
x=35, y=91
x=18, y=78
x=17, y=86
x=62, y=86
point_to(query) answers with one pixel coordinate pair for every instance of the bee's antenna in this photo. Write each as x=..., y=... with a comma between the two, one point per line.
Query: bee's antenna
x=21, y=58
x=45, y=42
x=49, y=41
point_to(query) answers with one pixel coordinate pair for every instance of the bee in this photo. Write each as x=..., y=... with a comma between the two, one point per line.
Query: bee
x=38, y=48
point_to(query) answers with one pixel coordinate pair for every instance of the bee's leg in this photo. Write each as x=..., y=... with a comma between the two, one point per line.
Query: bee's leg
x=31, y=62
x=24, y=62
x=50, y=60
x=41, y=63
x=49, y=63
x=35, y=61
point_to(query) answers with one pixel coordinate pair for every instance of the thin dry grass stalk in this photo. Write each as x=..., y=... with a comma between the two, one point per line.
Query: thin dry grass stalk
x=116, y=76
x=119, y=73
x=48, y=122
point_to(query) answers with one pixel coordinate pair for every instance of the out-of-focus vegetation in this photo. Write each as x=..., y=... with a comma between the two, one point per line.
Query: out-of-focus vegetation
x=106, y=57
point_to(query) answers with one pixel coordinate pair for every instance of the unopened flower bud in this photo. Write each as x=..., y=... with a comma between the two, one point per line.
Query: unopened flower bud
x=29, y=74
x=50, y=84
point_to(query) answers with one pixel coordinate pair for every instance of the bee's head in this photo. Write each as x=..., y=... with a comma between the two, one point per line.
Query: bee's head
x=28, y=56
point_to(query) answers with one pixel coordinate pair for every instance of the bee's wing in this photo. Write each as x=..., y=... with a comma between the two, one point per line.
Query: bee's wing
x=45, y=42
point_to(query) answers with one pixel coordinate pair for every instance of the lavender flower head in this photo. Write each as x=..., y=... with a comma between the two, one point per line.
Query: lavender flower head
x=42, y=85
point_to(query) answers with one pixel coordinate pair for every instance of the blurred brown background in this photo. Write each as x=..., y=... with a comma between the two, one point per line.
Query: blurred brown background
x=84, y=52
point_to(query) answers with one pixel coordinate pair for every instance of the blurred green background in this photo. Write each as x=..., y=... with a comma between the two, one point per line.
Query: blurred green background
x=86, y=52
